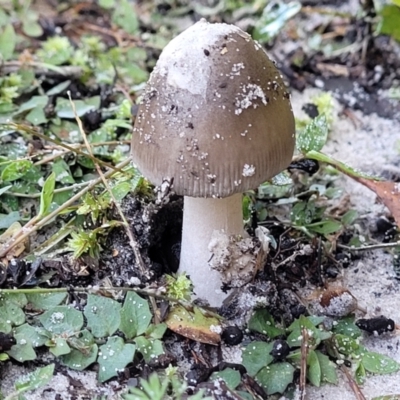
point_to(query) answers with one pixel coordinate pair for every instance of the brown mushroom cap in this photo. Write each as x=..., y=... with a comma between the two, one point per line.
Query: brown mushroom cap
x=215, y=116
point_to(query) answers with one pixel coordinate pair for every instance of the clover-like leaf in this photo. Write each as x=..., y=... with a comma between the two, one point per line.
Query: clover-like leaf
x=314, y=136
x=231, y=377
x=45, y=301
x=8, y=40
x=59, y=346
x=103, y=315
x=135, y=315
x=257, y=356
x=83, y=351
x=261, y=321
x=379, y=363
x=62, y=320
x=275, y=378
x=15, y=170
x=314, y=368
x=149, y=348
x=114, y=356
x=11, y=313
x=34, y=335
x=328, y=368
x=22, y=352
x=346, y=326
x=34, y=380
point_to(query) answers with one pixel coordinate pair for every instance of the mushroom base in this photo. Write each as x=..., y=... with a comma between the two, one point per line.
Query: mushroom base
x=201, y=217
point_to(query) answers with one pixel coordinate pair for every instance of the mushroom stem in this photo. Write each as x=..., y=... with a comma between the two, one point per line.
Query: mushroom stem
x=201, y=217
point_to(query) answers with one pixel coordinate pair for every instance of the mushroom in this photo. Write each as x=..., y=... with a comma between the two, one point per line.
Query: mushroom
x=217, y=120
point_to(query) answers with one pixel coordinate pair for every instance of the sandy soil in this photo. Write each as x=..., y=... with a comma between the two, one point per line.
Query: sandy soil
x=371, y=146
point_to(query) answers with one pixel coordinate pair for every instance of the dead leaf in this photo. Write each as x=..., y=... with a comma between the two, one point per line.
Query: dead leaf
x=7, y=236
x=194, y=325
x=388, y=192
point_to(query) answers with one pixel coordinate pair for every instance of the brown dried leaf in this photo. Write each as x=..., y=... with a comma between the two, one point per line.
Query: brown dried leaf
x=17, y=250
x=194, y=325
x=388, y=192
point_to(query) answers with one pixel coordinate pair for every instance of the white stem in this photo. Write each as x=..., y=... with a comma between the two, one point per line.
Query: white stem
x=201, y=217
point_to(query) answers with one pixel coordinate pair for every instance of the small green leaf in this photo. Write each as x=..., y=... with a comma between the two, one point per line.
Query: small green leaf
x=360, y=374
x=125, y=17
x=156, y=331
x=22, y=352
x=11, y=313
x=46, y=196
x=59, y=347
x=328, y=368
x=114, y=356
x=103, y=315
x=7, y=220
x=261, y=321
x=347, y=327
x=33, y=102
x=36, y=379
x=121, y=189
x=230, y=376
x=347, y=345
x=257, y=356
x=135, y=315
x=56, y=50
x=150, y=349
x=309, y=323
x=379, y=363
x=5, y=189
x=15, y=170
x=32, y=28
x=349, y=217
x=83, y=352
x=63, y=173
x=314, y=136
x=390, y=21
x=36, y=116
x=44, y=301
x=8, y=41
x=64, y=108
x=274, y=17
x=314, y=369
x=34, y=335
x=275, y=378
x=325, y=227
x=62, y=320
x=108, y=4
x=58, y=88
x=304, y=213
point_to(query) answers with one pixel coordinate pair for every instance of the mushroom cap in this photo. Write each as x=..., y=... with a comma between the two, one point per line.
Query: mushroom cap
x=215, y=116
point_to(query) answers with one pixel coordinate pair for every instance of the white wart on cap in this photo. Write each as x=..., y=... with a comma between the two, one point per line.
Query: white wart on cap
x=215, y=115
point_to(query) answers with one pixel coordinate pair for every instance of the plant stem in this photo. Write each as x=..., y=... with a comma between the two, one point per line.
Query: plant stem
x=95, y=290
x=60, y=190
x=371, y=247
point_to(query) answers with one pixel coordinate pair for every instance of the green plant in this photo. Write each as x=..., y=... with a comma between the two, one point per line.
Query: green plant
x=73, y=336
x=56, y=50
x=389, y=20
x=156, y=389
x=9, y=90
x=327, y=350
x=179, y=287
x=31, y=381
